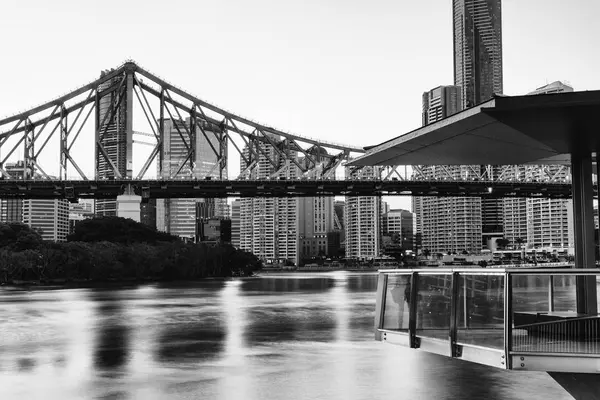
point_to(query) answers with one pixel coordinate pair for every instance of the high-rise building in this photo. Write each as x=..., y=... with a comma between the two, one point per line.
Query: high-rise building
x=178, y=216
x=446, y=224
x=401, y=222
x=441, y=102
x=540, y=222
x=477, y=49
x=11, y=210
x=315, y=220
x=362, y=217
x=478, y=72
x=269, y=226
x=235, y=223
x=113, y=137
x=48, y=216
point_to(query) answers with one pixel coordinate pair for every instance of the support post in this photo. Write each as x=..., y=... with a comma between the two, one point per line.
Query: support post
x=380, y=303
x=161, y=133
x=63, y=142
x=97, y=134
x=413, y=310
x=583, y=217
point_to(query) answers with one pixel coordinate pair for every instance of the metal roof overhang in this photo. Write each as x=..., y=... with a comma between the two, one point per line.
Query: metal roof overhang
x=534, y=129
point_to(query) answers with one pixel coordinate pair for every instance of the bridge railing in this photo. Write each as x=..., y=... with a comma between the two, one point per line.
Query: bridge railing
x=511, y=318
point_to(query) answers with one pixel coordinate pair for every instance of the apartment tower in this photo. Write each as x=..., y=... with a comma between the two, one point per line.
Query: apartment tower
x=363, y=219
x=446, y=224
x=268, y=225
x=478, y=72
x=178, y=216
x=540, y=223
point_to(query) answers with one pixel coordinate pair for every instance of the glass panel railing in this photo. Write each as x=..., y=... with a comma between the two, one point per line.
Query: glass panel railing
x=480, y=310
x=551, y=313
x=396, y=308
x=546, y=312
x=434, y=296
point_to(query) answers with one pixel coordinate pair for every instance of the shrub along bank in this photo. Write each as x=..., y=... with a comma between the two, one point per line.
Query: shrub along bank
x=114, y=249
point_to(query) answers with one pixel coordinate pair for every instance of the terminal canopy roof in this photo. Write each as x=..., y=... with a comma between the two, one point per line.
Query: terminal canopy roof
x=533, y=129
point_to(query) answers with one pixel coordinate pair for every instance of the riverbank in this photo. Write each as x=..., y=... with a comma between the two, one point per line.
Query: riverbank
x=120, y=283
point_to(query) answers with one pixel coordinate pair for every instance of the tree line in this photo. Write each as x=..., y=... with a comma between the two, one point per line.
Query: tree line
x=114, y=249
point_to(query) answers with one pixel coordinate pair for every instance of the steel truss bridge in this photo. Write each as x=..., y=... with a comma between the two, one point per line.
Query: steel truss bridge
x=60, y=136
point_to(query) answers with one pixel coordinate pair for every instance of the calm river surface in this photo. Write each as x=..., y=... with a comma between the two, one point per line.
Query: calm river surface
x=288, y=336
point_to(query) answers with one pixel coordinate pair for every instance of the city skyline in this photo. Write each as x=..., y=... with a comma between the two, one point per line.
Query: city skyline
x=281, y=91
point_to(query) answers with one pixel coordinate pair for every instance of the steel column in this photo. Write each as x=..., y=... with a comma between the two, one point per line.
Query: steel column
x=161, y=133
x=63, y=142
x=29, y=153
x=97, y=133
x=583, y=217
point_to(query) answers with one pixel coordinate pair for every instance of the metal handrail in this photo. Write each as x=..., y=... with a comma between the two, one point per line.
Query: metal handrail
x=578, y=336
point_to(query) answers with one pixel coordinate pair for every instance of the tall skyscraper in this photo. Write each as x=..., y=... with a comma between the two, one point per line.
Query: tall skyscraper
x=477, y=49
x=269, y=226
x=114, y=141
x=478, y=72
x=178, y=216
x=446, y=224
x=363, y=219
x=540, y=222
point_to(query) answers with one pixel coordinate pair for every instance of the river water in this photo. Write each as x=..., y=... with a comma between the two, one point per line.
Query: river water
x=288, y=336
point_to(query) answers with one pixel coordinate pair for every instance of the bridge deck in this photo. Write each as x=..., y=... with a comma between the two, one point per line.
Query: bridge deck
x=180, y=188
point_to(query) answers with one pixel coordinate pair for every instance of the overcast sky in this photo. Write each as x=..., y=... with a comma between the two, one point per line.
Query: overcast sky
x=343, y=70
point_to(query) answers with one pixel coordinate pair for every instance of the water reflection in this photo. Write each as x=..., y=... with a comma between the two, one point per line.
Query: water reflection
x=293, y=336
x=112, y=340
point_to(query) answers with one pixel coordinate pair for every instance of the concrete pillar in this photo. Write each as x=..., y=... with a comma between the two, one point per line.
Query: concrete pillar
x=583, y=217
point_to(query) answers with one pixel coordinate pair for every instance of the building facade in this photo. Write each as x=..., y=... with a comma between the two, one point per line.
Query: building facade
x=269, y=226
x=48, y=216
x=113, y=137
x=11, y=210
x=540, y=223
x=446, y=224
x=178, y=216
x=80, y=211
x=363, y=219
x=235, y=223
x=477, y=26
x=401, y=222
x=477, y=29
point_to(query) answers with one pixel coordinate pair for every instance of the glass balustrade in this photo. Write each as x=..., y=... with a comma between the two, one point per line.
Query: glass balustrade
x=513, y=318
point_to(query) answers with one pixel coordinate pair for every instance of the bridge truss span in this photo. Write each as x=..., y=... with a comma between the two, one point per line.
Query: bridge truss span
x=97, y=120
